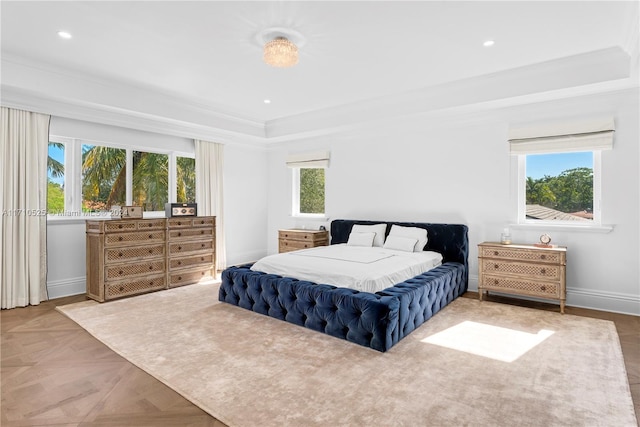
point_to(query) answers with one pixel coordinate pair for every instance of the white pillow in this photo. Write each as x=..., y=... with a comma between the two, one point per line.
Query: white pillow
x=361, y=239
x=379, y=229
x=399, y=243
x=413, y=232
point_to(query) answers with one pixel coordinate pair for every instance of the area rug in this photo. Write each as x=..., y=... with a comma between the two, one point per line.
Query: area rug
x=474, y=363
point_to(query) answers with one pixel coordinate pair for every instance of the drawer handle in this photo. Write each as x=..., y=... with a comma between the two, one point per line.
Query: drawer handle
x=202, y=222
x=179, y=277
x=542, y=288
x=179, y=248
x=202, y=273
x=150, y=225
x=120, y=239
x=202, y=245
x=150, y=251
x=120, y=272
x=119, y=253
x=496, y=281
x=179, y=223
x=179, y=234
x=201, y=231
x=306, y=246
x=150, y=283
x=495, y=266
x=543, y=256
x=496, y=253
x=151, y=236
x=306, y=237
x=179, y=262
x=121, y=288
x=119, y=225
x=202, y=258
x=151, y=267
x=543, y=271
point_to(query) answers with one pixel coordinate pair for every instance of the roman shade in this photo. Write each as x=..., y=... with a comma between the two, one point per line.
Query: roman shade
x=316, y=159
x=587, y=135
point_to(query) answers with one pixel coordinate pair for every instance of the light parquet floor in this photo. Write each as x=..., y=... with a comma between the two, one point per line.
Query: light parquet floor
x=53, y=373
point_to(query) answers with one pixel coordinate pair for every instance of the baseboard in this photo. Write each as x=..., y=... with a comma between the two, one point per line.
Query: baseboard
x=66, y=287
x=606, y=301
x=614, y=302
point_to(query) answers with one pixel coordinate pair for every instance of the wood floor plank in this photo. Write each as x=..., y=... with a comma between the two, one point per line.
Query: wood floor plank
x=54, y=373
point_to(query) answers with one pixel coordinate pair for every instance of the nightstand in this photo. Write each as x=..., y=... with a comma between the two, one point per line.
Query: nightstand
x=523, y=270
x=293, y=240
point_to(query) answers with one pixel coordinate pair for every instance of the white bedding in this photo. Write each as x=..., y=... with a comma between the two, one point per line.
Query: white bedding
x=367, y=269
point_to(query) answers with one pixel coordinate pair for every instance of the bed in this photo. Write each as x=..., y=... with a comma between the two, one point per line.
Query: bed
x=378, y=320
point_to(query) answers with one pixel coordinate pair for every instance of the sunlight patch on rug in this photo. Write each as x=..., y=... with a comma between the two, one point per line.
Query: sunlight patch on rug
x=494, y=342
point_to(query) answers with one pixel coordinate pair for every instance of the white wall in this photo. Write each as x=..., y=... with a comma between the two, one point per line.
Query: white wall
x=456, y=169
x=244, y=206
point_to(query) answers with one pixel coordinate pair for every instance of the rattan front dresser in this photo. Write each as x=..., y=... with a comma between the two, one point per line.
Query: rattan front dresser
x=295, y=239
x=134, y=256
x=523, y=270
x=191, y=249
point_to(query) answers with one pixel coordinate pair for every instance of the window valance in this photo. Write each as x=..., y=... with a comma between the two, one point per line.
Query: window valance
x=316, y=159
x=594, y=134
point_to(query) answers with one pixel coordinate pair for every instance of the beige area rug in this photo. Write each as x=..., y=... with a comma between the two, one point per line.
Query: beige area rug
x=475, y=363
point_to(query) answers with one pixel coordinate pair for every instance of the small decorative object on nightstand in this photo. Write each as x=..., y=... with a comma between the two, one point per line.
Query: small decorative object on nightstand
x=292, y=240
x=523, y=270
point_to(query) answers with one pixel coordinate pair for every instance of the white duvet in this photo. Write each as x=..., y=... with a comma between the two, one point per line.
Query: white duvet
x=361, y=268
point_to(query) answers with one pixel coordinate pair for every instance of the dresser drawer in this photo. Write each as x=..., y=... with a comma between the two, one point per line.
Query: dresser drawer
x=138, y=237
x=192, y=261
x=121, y=271
x=152, y=224
x=180, y=278
x=186, y=247
x=133, y=287
x=304, y=236
x=521, y=254
x=134, y=253
x=186, y=222
x=294, y=245
x=114, y=226
x=498, y=266
x=191, y=233
x=515, y=285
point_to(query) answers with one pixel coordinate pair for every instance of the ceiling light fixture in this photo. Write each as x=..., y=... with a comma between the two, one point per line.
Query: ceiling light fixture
x=267, y=101
x=64, y=35
x=280, y=52
x=488, y=43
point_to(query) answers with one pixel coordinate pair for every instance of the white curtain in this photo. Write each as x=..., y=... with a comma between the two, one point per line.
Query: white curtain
x=209, y=197
x=24, y=144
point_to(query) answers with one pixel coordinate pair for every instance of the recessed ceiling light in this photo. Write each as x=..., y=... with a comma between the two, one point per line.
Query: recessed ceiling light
x=267, y=101
x=64, y=34
x=488, y=43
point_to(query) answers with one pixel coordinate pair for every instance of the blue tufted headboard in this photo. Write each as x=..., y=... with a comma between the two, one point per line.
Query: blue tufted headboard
x=451, y=240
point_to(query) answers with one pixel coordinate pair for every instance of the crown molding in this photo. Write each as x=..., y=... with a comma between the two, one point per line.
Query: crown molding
x=574, y=75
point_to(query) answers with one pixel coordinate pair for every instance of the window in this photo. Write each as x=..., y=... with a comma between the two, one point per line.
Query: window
x=104, y=178
x=185, y=180
x=308, y=171
x=559, y=187
x=310, y=190
x=559, y=171
x=55, y=178
x=150, y=180
x=88, y=179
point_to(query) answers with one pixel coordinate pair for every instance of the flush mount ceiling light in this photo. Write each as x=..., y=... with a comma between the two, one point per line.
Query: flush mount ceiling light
x=280, y=46
x=64, y=34
x=280, y=52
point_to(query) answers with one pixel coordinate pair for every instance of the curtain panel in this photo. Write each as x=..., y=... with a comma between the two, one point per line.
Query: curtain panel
x=209, y=194
x=24, y=141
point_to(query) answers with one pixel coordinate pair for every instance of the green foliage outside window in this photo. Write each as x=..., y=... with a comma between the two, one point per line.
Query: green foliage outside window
x=312, y=191
x=55, y=198
x=186, y=180
x=570, y=191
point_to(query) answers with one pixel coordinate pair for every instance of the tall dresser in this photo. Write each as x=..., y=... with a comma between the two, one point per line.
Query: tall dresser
x=133, y=256
x=523, y=270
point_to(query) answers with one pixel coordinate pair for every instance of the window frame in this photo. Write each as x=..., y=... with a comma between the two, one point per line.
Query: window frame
x=73, y=176
x=295, y=196
x=596, y=223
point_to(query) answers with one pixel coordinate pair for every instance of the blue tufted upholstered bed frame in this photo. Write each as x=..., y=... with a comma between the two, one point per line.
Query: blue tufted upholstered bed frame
x=377, y=320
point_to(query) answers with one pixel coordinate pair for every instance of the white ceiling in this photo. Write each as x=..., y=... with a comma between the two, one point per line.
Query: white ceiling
x=207, y=51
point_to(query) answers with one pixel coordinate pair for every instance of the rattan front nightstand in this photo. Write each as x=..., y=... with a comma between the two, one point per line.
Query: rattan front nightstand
x=523, y=270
